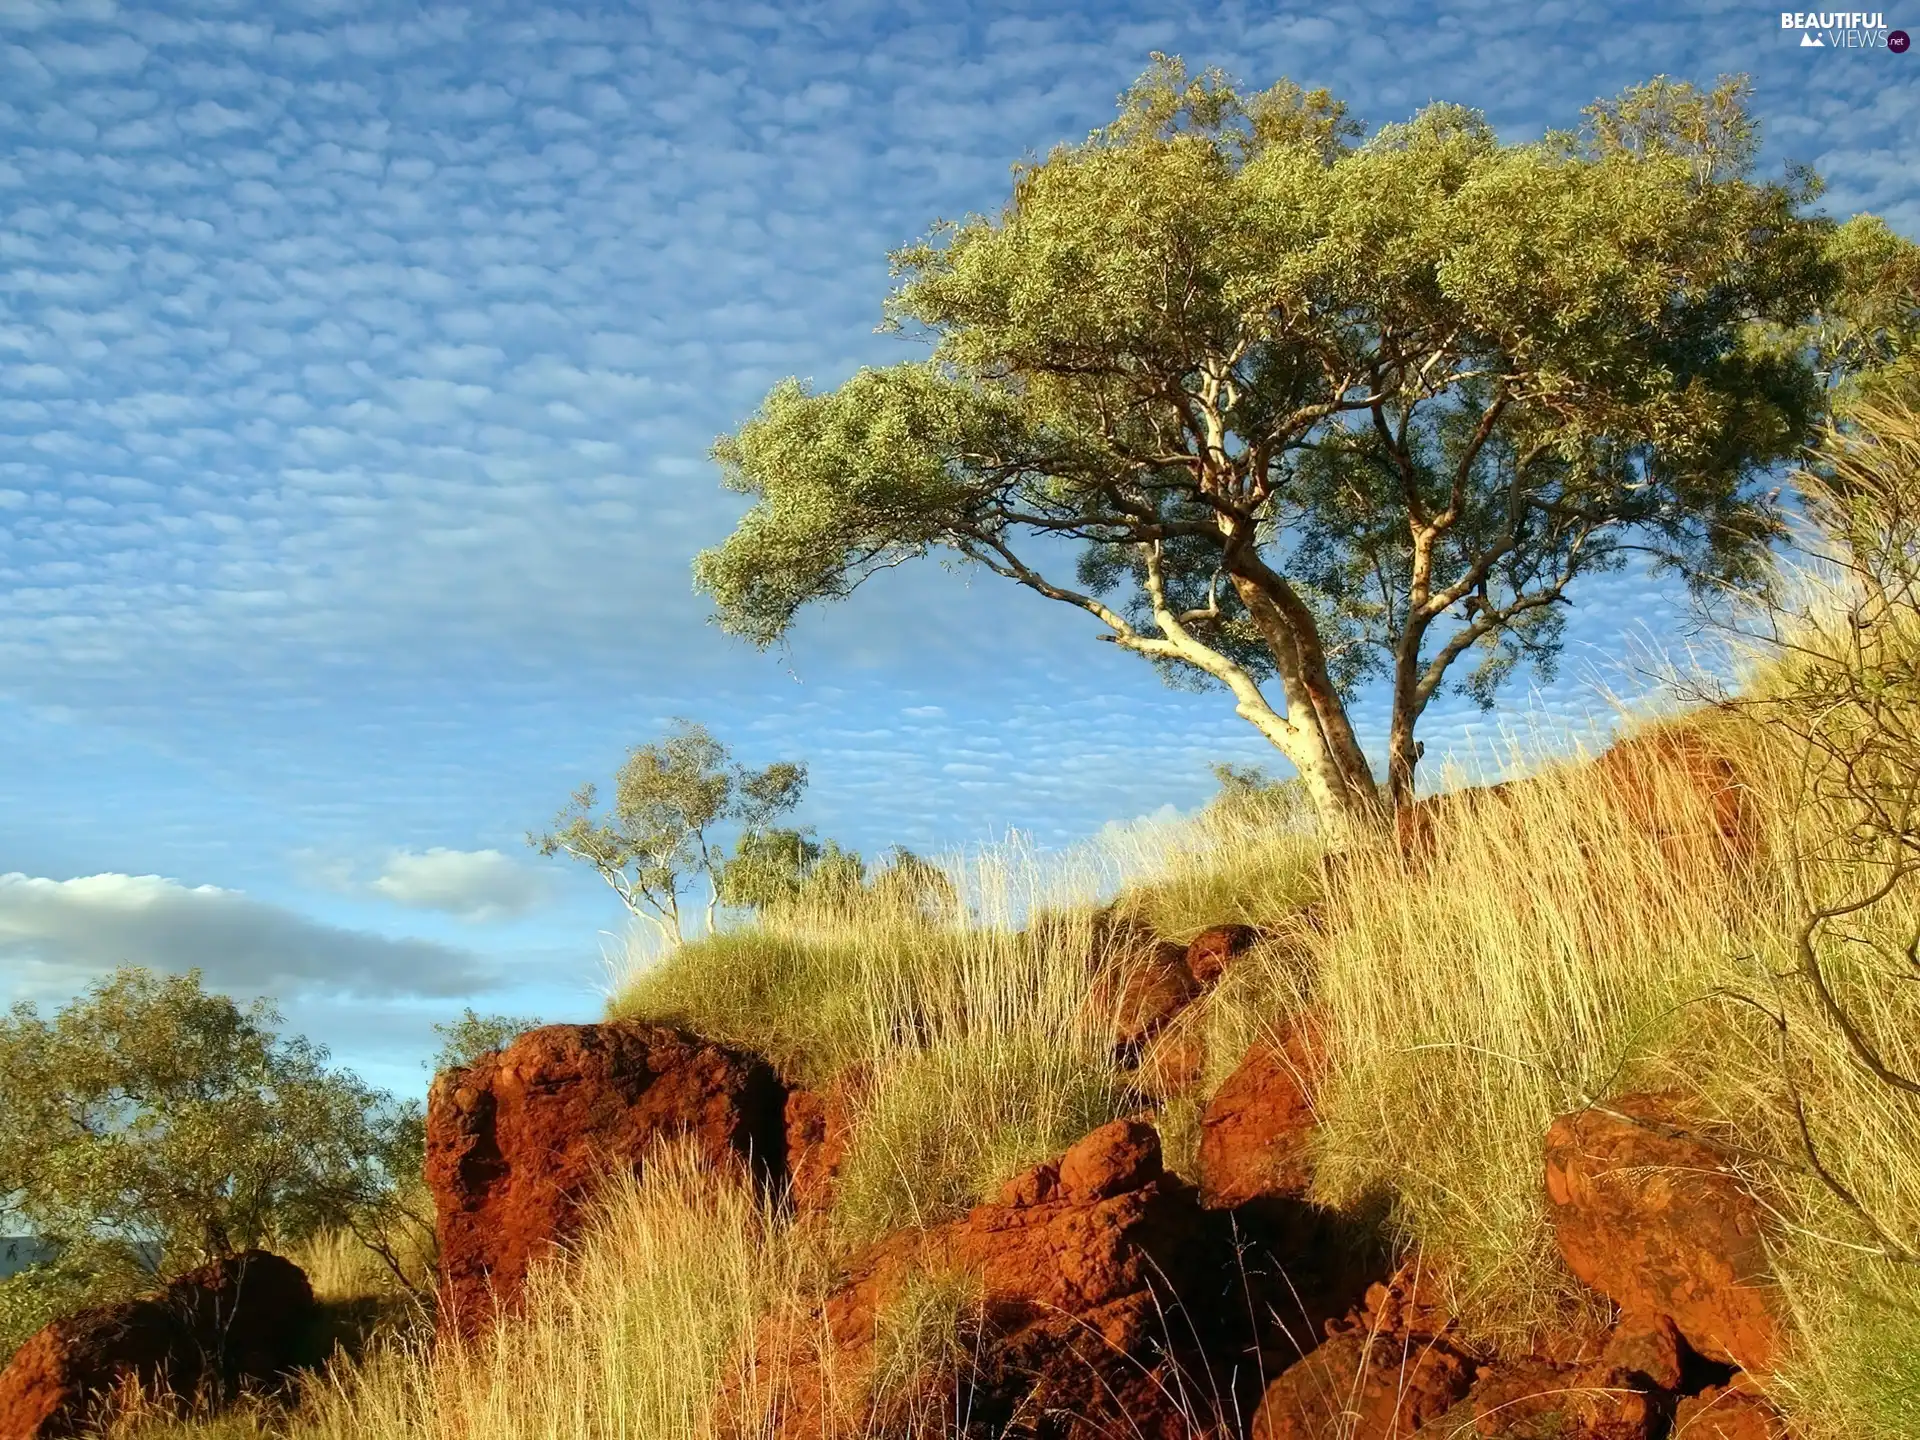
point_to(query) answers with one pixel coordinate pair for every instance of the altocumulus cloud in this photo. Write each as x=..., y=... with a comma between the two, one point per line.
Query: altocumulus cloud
x=54, y=933
x=468, y=884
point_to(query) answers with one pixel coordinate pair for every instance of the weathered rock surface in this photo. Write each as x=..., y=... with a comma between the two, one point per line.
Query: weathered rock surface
x=1212, y=951
x=1093, y=1285
x=244, y=1320
x=1398, y=1366
x=1256, y=1131
x=819, y=1130
x=1675, y=785
x=1728, y=1412
x=1140, y=985
x=1388, y=1369
x=518, y=1141
x=1535, y=1399
x=1671, y=783
x=1654, y=1219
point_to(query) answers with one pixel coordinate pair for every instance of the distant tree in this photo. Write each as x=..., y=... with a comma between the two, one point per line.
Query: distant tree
x=1253, y=794
x=775, y=867
x=152, y=1110
x=769, y=868
x=1313, y=410
x=81, y=1273
x=671, y=801
x=465, y=1040
x=910, y=882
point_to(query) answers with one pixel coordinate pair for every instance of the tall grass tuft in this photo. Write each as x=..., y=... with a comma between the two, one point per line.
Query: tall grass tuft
x=628, y=1336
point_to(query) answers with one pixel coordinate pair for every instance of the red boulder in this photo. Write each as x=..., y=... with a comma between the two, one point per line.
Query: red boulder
x=1729, y=1412
x=1651, y=1216
x=518, y=1141
x=1689, y=795
x=241, y=1321
x=1255, y=1132
x=1211, y=951
x=1076, y=1278
x=1139, y=992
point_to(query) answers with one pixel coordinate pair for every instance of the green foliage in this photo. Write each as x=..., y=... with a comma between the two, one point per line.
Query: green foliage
x=669, y=800
x=465, y=1040
x=776, y=867
x=89, y=1271
x=150, y=1109
x=1315, y=408
x=1250, y=796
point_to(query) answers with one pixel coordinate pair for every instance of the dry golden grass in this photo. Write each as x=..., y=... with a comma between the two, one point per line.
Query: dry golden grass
x=1555, y=952
x=628, y=1336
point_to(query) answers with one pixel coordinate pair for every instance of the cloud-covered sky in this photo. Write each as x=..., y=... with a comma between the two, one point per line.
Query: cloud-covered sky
x=358, y=363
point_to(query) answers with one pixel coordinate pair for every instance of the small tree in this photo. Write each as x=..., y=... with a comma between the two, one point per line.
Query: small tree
x=152, y=1110
x=671, y=800
x=1313, y=410
x=465, y=1040
x=910, y=882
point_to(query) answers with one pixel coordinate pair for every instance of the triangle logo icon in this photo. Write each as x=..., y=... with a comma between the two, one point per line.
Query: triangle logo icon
x=1810, y=41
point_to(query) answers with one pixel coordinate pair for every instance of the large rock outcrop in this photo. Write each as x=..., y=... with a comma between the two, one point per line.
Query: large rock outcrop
x=518, y=1141
x=1093, y=1303
x=1652, y=1215
x=242, y=1321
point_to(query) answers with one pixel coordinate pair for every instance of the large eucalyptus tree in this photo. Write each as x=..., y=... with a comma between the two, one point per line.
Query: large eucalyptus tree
x=1284, y=408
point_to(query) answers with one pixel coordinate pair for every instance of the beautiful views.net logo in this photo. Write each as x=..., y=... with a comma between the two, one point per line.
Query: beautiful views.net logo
x=1844, y=30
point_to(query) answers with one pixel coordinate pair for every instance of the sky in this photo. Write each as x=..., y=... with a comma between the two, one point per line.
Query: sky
x=358, y=368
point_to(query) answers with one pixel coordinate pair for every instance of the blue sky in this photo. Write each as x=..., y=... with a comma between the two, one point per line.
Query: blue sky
x=358, y=364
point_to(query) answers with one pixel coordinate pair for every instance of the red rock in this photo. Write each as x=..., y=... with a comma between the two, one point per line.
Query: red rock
x=1172, y=1064
x=519, y=1140
x=1362, y=1387
x=1672, y=783
x=1730, y=1412
x=1140, y=992
x=1653, y=1219
x=1676, y=785
x=819, y=1130
x=1390, y=1367
x=1120, y=1156
x=1645, y=1348
x=1077, y=1273
x=1211, y=951
x=1256, y=1131
x=1535, y=1399
x=1411, y=1301
x=244, y=1320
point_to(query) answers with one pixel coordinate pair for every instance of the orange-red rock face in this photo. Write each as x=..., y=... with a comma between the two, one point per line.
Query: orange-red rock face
x=1256, y=1131
x=518, y=1141
x=1658, y=1222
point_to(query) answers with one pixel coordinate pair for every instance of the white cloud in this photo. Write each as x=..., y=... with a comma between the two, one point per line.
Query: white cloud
x=469, y=884
x=56, y=934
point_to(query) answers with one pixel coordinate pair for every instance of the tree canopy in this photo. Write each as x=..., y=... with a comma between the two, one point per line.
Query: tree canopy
x=671, y=800
x=1286, y=407
x=152, y=1110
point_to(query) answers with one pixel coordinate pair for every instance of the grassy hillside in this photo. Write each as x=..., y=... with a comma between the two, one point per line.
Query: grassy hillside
x=1556, y=953
x=1583, y=937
